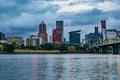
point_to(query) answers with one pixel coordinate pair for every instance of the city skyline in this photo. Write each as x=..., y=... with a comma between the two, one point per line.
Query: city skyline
x=23, y=17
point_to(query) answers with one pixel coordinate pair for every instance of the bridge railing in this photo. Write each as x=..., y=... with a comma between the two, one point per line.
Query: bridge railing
x=106, y=42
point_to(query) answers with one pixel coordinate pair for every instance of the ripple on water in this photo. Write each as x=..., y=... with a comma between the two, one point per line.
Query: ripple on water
x=59, y=67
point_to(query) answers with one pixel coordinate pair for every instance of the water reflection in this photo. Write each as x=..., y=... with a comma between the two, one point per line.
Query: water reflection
x=60, y=67
x=118, y=67
x=34, y=68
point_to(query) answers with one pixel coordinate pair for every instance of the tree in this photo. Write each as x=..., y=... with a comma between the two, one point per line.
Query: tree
x=56, y=47
x=77, y=47
x=63, y=47
x=31, y=47
x=21, y=46
x=85, y=46
x=41, y=46
x=48, y=46
x=9, y=47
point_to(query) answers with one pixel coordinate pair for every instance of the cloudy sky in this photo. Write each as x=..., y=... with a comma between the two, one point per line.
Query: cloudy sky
x=22, y=17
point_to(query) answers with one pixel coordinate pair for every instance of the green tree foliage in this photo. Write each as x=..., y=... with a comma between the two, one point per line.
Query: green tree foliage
x=77, y=47
x=48, y=46
x=42, y=46
x=14, y=44
x=21, y=46
x=56, y=47
x=85, y=46
x=81, y=47
x=31, y=47
x=9, y=47
x=63, y=47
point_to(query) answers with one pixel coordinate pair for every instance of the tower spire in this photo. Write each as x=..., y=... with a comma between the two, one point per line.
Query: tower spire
x=42, y=32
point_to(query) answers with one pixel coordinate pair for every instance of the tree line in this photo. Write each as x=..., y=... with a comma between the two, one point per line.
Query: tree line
x=47, y=46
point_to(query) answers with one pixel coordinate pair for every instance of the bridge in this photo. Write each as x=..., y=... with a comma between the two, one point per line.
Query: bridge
x=107, y=46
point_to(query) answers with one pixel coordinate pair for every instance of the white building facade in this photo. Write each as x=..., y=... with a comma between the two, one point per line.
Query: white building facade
x=110, y=33
x=33, y=41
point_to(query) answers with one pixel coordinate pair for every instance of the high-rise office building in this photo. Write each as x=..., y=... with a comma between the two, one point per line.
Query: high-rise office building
x=96, y=34
x=86, y=38
x=42, y=32
x=90, y=39
x=2, y=36
x=103, y=28
x=96, y=30
x=60, y=24
x=74, y=37
x=57, y=33
x=103, y=24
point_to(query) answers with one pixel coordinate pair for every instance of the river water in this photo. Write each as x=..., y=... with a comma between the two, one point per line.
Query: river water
x=59, y=67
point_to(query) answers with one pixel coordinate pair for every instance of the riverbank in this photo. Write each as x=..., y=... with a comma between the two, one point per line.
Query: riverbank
x=26, y=51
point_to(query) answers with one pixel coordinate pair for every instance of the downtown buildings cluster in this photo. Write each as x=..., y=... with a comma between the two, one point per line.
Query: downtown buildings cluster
x=100, y=36
x=57, y=36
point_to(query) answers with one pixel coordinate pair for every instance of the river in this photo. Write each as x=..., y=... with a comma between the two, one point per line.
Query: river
x=59, y=67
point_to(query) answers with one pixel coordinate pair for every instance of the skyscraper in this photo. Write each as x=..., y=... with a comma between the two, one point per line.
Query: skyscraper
x=2, y=36
x=90, y=39
x=96, y=30
x=74, y=37
x=59, y=25
x=96, y=34
x=42, y=32
x=103, y=24
x=103, y=28
x=57, y=33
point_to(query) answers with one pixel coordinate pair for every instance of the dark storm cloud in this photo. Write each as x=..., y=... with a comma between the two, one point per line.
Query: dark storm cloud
x=11, y=11
x=24, y=30
x=101, y=0
x=88, y=18
x=42, y=10
x=22, y=17
x=12, y=8
x=86, y=1
x=115, y=14
x=22, y=2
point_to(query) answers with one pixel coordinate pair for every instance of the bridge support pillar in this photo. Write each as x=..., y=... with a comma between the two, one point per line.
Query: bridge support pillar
x=115, y=49
x=104, y=50
x=100, y=50
x=119, y=49
x=110, y=49
x=97, y=50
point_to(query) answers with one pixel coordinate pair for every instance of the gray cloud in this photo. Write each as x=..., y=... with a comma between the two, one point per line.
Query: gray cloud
x=22, y=17
x=87, y=18
x=115, y=14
